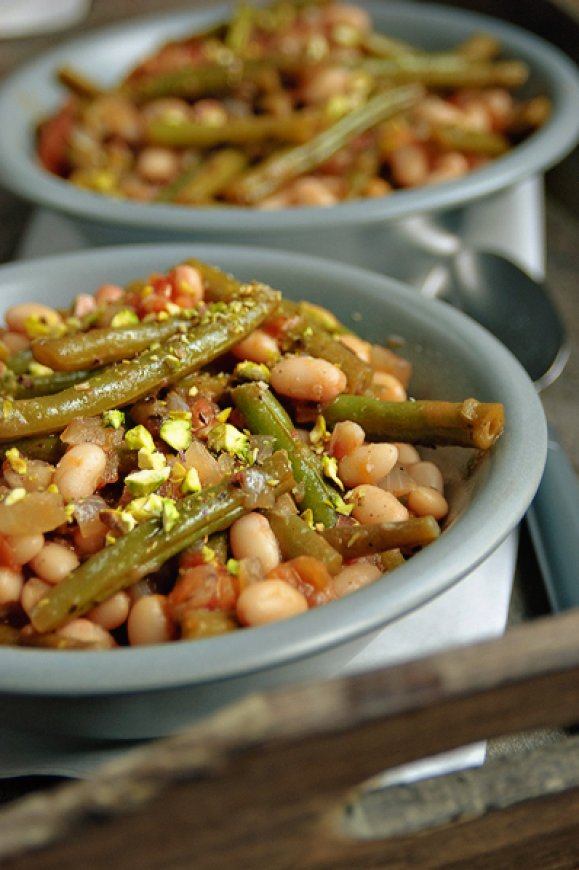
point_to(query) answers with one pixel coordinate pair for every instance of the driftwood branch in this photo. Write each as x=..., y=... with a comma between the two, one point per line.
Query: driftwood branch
x=270, y=778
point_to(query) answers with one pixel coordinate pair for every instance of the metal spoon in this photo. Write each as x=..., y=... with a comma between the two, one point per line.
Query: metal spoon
x=519, y=311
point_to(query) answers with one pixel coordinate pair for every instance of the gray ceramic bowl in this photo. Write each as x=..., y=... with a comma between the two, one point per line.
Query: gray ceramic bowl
x=105, y=54
x=148, y=691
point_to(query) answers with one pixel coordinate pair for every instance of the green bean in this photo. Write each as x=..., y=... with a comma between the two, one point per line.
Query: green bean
x=213, y=386
x=97, y=347
x=529, y=115
x=381, y=45
x=172, y=191
x=47, y=448
x=296, y=538
x=193, y=82
x=282, y=168
x=296, y=128
x=9, y=636
x=479, y=46
x=240, y=27
x=467, y=424
x=212, y=176
x=78, y=84
x=145, y=549
x=391, y=559
x=30, y=386
x=354, y=542
x=219, y=286
x=447, y=71
x=265, y=416
x=125, y=382
x=453, y=138
x=359, y=375
x=20, y=361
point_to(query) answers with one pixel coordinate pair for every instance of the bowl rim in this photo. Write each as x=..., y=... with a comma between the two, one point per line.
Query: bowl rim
x=21, y=173
x=494, y=512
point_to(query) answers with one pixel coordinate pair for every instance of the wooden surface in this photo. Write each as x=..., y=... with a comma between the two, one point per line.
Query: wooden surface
x=235, y=810
x=271, y=780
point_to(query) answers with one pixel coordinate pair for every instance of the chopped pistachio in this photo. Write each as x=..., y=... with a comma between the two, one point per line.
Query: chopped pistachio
x=124, y=317
x=110, y=539
x=319, y=432
x=127, y=522
x=113, y=419
x=145, y=482
x=178, y=472
x=308, y=517
x=37, y=370
x=145, y=508
x=52, y=487
x=148, y=461
x=330, y=469
x=172, y=308
x=191, y=482
x=17, y=462
x=177, y=434
x=193, y=391
x=139, y=438
x=180, y=415
x=339, y=505
x=233, y=566
x=252, y=371
x=207, y=554
x=225, y=437
x=224, y=415
x=69, y=512
x=15, y=495
x=170, y=515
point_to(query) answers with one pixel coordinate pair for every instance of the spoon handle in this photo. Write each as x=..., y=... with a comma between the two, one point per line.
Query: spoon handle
x=553, y=521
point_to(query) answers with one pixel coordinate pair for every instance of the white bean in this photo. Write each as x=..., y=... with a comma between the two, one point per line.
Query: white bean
x=357, y=345
x=326, y=83
x=54, y=562
x=448, y=166
x=85, y=631
x=252, y=537
x=108, y=293
x=308, y=379
x=112, y=612
x=374, y=505
x=389, y=387
x=344, y=13
x=354, y=577
x=269, y=601
x=425, y=501
x=346, y=436
x=15, y=341
x=25, y=547
x=33, y=590
x=259, y=347
x=367, y=464
x=407, y=454
x=157, y=165
x=409, y=165
x=313, y=191
x=18, y=315
x=188, y=282
x=149, y=621
x=80, y=470
x=10, y=585
x=427, y=474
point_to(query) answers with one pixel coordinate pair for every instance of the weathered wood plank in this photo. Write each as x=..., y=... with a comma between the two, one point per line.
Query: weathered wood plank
x=264, y=779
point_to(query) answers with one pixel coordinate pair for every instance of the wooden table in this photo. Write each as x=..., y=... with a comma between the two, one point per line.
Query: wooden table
x=410, y=690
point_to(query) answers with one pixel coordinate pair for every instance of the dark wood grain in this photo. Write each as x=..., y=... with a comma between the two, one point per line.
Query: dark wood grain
x=268, y=781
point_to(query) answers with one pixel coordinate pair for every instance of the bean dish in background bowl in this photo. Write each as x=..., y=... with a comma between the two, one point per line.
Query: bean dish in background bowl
x=206, y=129
x=232, y=483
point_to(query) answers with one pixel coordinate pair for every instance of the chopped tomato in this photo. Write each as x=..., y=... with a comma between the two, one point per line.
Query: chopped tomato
x=209, y=585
